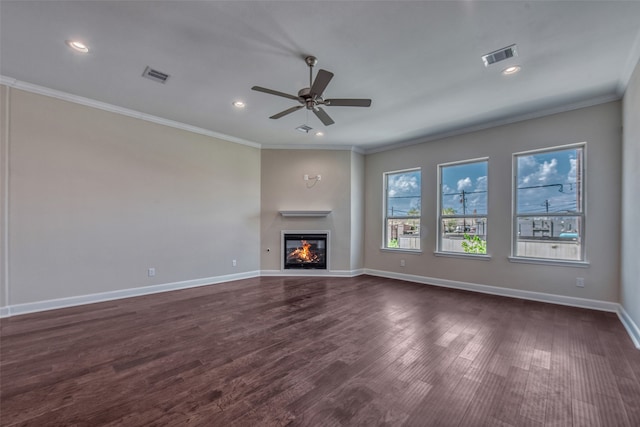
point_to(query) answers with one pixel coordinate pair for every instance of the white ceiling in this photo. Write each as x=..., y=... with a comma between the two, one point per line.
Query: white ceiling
x=420, y=62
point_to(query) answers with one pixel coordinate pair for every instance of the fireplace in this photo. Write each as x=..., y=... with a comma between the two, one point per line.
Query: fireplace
x=305, y=250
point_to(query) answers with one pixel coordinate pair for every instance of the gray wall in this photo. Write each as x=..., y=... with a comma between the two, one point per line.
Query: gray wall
x=4, y=200
x=357, y=211
x=97, y=198
x=630, y=283
x=599, y=126
x=283, y=188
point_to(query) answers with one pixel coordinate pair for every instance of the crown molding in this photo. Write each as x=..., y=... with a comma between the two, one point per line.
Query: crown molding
x=41, y=90
x=633, y=61
x=497, y=123
x=351, y=148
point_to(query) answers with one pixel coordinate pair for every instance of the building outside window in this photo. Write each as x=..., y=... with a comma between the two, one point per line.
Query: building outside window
x=549, y=219
x=402, y=207
x=463, y=207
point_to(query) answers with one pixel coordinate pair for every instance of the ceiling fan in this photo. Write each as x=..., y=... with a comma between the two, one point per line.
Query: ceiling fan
x=311, y=97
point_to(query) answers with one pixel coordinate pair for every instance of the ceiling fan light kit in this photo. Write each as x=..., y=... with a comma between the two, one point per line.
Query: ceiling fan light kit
x=311, y=97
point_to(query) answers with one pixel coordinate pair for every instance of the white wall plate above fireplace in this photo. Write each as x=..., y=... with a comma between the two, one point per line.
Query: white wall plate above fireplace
x=305, y=213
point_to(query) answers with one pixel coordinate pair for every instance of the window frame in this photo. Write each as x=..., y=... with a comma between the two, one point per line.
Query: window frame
x=514, y=257
x=440, y=217
x=386, y=218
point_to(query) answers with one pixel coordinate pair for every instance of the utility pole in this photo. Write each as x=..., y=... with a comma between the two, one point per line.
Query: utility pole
x=463, y=200
x=546, y=204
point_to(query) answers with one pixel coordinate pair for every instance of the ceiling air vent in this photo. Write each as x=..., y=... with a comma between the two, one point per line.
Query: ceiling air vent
x=303, y=128
x=500, y=55
x=155, y=75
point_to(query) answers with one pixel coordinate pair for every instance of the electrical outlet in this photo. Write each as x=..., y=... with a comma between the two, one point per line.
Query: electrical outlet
x=306, y=177
x=580, y=282
x=402, y=263
x=234, y=263
x=318, y=177
x=151, y=272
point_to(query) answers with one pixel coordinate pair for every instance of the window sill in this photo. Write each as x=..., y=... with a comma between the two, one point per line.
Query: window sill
x=464, y=256
x=400, y=250
x=543, y=261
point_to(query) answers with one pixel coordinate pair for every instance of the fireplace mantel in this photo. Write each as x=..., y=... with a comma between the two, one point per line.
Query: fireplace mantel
x=305, y=213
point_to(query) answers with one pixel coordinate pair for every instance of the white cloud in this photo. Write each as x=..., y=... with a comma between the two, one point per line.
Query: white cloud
x=547, y=170
x=571, y=176
x=464, y=184
x=545, y=173
x=404, y=184
x=481, y=183
x=526, y=163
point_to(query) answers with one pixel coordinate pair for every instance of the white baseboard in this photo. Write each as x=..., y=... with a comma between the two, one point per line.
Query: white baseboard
x=505, y=292
x=632, y=329
x=32, y=307
x=312, y=273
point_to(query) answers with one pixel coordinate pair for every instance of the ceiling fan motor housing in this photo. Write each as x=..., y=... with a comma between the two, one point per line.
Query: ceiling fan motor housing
x=307, y=98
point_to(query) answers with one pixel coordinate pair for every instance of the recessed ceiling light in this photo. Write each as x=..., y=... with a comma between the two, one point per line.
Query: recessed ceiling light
x=511, y=70
x=319, y=133
x=77, y=46
x=238, y=104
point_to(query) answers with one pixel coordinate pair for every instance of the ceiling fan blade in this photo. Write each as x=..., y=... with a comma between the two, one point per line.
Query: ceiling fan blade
x=275, y=92
x=287, y=111
x=323, y=116
x=347, y=102
x=320, y=83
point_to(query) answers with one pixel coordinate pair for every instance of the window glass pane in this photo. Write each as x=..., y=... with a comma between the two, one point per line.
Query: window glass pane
x=549, y=182
x=403, y=233
x=463, y=189
x=402, y=210
x=550, y=237
x=403, y=194
x=549, y=220
x=464, y=235
x=463, y=200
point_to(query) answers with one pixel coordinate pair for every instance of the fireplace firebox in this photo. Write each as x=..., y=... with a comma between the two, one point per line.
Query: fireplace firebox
x=305, y=251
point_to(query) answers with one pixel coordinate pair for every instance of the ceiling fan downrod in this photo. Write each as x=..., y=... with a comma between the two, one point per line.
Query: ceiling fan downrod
x=311, y=62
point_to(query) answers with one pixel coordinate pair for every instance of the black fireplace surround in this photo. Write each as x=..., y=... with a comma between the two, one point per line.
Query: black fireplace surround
x=305, y=251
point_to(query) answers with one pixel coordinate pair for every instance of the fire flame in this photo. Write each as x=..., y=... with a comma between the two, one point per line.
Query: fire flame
x=303, y=254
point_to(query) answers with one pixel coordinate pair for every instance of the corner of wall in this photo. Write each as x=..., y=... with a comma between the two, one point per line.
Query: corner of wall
x=4, y=197
x=630, y=245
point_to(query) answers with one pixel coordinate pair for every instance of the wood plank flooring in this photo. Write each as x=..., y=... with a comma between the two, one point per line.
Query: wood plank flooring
x=277, y=351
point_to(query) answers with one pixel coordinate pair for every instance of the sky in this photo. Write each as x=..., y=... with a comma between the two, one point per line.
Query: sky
x=541, y=176
x=470, y=178
x=547, y=182
x=403, y=193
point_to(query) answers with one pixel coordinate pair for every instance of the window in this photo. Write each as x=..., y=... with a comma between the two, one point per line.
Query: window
x=549, y=204
x=463, y=207
x=402, y=206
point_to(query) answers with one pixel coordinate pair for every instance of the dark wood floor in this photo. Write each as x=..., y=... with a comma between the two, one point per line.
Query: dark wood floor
x=318, y=352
